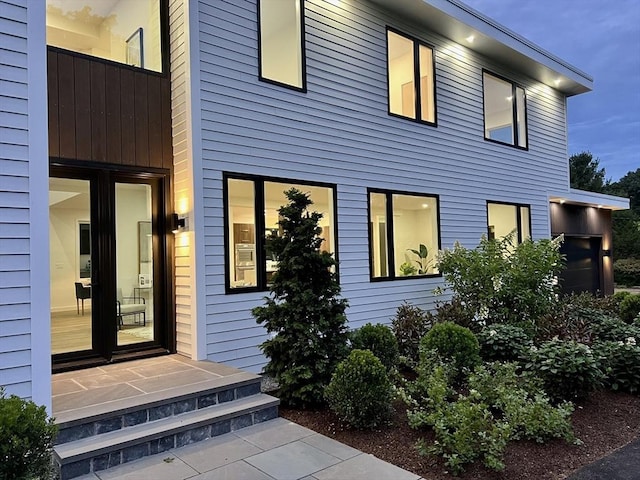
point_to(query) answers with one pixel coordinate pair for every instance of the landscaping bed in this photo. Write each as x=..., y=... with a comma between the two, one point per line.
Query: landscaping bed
x=605, y=422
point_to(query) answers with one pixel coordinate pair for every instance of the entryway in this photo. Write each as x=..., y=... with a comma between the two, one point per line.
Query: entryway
x=583, y=265
x=109, y=278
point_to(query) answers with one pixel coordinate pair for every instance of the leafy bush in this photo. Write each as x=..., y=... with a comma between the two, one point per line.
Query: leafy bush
x=620, y=363
x=360, y=392
x=630, y=307
x=503, y=343
x=380, y=341
x=613, y=329
x=456, y=312
x=523, y=403
x=568, y=369
x=498, y=405
x=500, y=282
x=453, y=343
x=626, y=271
x=27, y=439
x=304, y=314
x=410, y=324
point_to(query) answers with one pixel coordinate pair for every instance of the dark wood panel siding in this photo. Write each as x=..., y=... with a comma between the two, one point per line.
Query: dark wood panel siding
x=105, y=113
x=580, y=221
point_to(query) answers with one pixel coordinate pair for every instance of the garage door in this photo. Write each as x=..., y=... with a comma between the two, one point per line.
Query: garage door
x=582, y=273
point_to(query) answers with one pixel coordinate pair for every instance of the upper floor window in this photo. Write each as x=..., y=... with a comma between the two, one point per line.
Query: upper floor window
x=404, y=235
x=281, y=42
x=251, y=216
x=411, y=78
x=123, y=31
x=505, y=111
x=504, y=218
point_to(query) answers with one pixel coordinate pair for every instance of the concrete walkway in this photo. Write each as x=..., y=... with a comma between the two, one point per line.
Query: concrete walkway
x=274, y=450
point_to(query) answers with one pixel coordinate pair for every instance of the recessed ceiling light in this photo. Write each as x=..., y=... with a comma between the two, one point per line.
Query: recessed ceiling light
x=470, y=38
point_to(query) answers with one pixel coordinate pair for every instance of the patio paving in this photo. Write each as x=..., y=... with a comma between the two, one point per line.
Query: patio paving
x=274, y=450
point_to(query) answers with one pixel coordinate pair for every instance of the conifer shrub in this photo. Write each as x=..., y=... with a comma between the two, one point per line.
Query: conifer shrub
x=360, y=392
x=26, y=439
x=380, y=341
x=303, y=314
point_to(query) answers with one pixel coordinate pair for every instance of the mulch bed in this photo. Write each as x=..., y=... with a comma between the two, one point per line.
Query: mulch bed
x=604, y=422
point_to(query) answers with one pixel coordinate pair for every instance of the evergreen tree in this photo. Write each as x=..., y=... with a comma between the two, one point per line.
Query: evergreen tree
x=303, y=314
x=586, y=174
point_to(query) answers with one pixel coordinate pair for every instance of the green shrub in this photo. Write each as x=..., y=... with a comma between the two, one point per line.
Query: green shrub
x=453, y=343
x=620, y=363
x=626, y=271
x=572, y=315
x=501, y=342
x=456, y=312
x=27, y=439
x=630, y=308
x=568, y=369
x=523, y=403
x=360, y=392
x=303, y=313
x=503, y=282
x=380, y=340
x=614, y=330
x=410, y=324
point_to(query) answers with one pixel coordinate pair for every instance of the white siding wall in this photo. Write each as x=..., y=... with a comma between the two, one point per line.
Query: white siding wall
x=24, y=293
x=339, y=132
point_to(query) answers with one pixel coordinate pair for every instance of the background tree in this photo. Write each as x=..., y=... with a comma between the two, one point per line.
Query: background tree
x=303, y=312
x=585, y=173
x=626, y=223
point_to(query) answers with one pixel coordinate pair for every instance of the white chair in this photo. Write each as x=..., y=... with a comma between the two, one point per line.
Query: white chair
x=130, y=306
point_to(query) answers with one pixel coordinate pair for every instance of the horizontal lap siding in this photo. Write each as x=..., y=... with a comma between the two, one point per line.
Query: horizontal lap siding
x=339, y=132
x=15, y=315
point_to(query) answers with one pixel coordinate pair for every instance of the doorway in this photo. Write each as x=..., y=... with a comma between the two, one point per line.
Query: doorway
x=109, y=271
x=582, y=265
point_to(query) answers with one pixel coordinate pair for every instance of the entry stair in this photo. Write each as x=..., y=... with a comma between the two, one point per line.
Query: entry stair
x=96, y=438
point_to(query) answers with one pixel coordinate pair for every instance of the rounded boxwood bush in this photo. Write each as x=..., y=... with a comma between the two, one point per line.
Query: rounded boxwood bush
x=568, y=369
x=452, y=343
x=620, y=363
x=629, y=307
x=360, y=392
x=27, y=439
x=505, y=343
x=380, y=340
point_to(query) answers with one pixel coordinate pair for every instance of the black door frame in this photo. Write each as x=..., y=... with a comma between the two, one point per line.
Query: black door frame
x=102, y=180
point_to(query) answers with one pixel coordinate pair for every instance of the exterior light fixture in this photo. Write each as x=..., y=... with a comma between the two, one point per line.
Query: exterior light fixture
x=470, y=38
x=606, y=252
x=178, y=223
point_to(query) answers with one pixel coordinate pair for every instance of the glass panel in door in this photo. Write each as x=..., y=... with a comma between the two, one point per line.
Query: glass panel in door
x=134, y=263
x=70, y=265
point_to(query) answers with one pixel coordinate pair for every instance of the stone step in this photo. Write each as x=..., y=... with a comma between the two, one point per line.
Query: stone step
x=125, y=413
x=99, y=452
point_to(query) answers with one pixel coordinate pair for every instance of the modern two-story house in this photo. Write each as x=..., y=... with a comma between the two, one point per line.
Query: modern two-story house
x=145, y=146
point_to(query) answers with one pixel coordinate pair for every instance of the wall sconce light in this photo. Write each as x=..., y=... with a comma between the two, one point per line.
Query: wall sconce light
x=178, y=223
x=606, y=253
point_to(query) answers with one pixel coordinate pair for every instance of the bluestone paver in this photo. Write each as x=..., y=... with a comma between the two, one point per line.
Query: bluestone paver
x=163, y=466
x=292, y=461
x=273, y=433
x=364, y=467
x=216, y=452
x=331, y=446
x=240, y=470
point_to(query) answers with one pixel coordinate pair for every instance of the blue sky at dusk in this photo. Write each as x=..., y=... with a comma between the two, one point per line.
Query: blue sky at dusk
x=601, y=38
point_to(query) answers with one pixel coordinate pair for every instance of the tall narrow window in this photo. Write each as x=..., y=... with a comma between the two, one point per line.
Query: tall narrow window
x=404, y=234
x=505, y=113
x=281, y=43
x=411, y=78
x=252, y=206
x=504, y=218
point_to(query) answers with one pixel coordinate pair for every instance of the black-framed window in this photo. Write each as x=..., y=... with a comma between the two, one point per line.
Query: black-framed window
x=281, y=43
x=404, y=234
x=505, y=111
x=504, y=218
x=251, y=215
x=410, y=78
x=124, y=31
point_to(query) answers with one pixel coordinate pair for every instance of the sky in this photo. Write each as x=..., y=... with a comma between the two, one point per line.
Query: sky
x=601, y=38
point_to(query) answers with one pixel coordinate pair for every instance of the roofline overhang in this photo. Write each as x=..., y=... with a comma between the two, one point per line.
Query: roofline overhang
x=458, y=22
x=590, y=199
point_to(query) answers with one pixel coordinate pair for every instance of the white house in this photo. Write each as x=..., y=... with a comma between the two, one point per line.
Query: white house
x=408, y=121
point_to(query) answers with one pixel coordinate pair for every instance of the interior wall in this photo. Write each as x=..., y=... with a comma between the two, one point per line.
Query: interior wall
x=412, y=228
x=503, y=218
x=281, y=33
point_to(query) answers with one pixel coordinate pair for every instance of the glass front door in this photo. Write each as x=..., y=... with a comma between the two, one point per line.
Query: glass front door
x=108, y=246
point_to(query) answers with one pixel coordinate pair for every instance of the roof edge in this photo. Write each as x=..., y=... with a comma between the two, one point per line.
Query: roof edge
x=591, y=199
